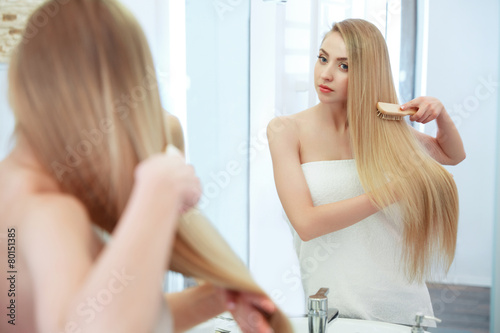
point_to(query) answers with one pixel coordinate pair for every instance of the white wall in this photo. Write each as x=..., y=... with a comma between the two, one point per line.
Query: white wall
x=463, y=73
x=495, y=291
x=155, y=18
x=272, y=258
x=6, y=117
x=217, y=35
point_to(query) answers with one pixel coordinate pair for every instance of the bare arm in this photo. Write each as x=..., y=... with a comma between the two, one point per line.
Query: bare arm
x=447, y=147
x=194, y=305
x=309, y=221
x=198, y=304
x=121, y=290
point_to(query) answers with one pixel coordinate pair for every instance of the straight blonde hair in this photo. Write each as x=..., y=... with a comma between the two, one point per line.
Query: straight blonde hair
x=387, y=152
x=85, y=96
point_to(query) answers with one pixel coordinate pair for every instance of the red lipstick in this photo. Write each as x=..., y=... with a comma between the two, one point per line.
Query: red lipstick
x=324, y=89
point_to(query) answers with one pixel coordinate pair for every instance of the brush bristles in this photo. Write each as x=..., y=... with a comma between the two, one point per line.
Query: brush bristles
x=388, y=117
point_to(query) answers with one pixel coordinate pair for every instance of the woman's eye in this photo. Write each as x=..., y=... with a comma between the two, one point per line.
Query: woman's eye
x=322, y=59
x=344, y=67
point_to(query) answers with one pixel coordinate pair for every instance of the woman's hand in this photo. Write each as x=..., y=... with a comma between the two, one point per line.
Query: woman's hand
x=249, y=310
x=169, y=172
x=428, y=109
x=447, y=147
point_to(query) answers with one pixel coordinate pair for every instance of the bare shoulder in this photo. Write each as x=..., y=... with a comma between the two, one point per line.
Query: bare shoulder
x=289, y=127
x=18, y=185
x=56, y=219
x=282, y=132
x=290, y=124
x=281, y=124
x=30, y=194
x=175, y=128
x=173, y=123
x=55, y=204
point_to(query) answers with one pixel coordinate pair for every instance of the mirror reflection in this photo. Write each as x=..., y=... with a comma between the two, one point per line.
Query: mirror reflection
x=284, y=40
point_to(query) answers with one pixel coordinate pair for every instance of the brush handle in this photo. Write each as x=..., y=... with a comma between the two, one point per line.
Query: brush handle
x=394, y=110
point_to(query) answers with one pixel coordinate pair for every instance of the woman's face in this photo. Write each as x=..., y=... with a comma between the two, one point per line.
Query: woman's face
x=330, y=71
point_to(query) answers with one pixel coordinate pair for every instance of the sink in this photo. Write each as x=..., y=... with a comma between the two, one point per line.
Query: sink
x=300, y=325
x=344, y=325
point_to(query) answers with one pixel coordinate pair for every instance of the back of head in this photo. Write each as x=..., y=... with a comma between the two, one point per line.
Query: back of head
x=387, y=152
x=84, y=94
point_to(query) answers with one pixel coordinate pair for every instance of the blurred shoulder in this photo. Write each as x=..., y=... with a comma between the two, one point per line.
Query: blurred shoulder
x=175, y=129
x=57, y=212
x=173, y=122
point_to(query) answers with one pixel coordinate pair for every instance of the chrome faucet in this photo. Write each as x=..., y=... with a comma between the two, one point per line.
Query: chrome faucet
x=419, y=318
x=318, y=313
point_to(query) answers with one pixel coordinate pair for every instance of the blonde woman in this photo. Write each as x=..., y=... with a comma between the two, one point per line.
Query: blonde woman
x=90, y=133
x=372, y=210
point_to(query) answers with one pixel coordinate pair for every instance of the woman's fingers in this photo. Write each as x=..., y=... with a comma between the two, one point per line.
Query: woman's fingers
x=250, y=311
x=169, y=173
x=428, y=109
x=260, y=301
x=250, y=319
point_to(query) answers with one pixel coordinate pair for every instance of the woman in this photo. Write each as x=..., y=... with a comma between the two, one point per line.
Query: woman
x=339, y=169
x=90, y=133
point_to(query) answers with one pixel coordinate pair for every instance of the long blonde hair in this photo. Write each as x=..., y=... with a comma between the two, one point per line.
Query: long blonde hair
x=387, y=152
x=85, y=96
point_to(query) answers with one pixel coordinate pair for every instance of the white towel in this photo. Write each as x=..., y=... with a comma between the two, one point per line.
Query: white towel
x=360, y=264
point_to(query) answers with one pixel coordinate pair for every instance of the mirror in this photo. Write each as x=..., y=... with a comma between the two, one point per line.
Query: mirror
x=444, y=47
x=281, y=39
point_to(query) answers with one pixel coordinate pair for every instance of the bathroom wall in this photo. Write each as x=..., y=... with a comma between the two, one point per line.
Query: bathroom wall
x=271, y=252
x=495, y=291
x=217, y=65
x=6, y=118
x=462, y=71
